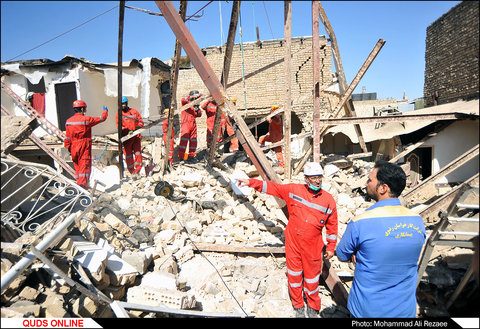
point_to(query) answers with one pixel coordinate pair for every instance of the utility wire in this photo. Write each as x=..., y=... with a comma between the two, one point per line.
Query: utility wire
x=58, y=36
x=202, y=254
x=268, y=20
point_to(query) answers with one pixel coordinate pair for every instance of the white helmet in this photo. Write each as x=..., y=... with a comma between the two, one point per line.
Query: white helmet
x=312, y=169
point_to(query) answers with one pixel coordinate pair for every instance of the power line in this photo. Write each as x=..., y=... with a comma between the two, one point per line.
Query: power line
x=58, y=36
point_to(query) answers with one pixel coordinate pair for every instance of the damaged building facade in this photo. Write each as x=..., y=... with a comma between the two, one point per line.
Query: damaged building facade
x=58, y=83
x=256, y=78
x=190, y=254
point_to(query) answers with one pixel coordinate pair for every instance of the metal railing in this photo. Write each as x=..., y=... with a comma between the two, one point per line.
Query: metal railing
x=34, y=196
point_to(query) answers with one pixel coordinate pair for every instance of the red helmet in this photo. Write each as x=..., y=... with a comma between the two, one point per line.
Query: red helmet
x=79, y=103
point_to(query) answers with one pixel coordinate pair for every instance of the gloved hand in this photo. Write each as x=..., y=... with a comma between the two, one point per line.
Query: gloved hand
x=105, y=108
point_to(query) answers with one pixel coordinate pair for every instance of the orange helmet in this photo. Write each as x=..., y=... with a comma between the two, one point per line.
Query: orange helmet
x=274, y=107
x=79, y=103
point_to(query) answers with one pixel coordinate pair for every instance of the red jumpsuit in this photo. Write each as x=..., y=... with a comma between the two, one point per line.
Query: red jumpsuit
x=210, y=109
x=308, y=213
x=164, y=127
x=132, y=148
x=230, y=132
x=188, y=130
x=275, y=134
x=78, y=141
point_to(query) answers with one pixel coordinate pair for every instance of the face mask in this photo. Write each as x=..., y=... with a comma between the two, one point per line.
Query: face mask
x=314, y=188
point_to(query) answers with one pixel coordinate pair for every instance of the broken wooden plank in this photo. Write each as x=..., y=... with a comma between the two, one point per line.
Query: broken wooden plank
x=15, y=130
x=279, y=143
x=162, y=309
x=430, y=214
x=342, y=81
x=224, y=79
x=214, y=86
x=254, y=124
x=121, y=16
x=334, y=283
x=398, y=118
x=316, y=82
x=426, y=189
x=173, y=88
x=288, y=88
x=239, y=249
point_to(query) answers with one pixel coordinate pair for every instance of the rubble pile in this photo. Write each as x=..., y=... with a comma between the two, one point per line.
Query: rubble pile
x=142, y=248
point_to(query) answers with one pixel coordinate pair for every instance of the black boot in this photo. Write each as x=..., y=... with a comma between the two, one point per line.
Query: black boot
x=311, y=313
x=300, y=312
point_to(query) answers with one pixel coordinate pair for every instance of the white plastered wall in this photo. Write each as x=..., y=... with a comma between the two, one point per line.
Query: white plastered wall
x=452, y=142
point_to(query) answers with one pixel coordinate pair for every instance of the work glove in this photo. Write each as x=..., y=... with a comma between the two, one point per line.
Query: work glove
x=105, y=108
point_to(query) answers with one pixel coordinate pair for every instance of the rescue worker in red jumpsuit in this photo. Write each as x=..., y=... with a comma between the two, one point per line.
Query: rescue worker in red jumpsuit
x=132, y=148
x=230, y=131
x=275, y=134
x=210, y=109
x=188, y=127
x=164, y=127
x=310, y=209
x=78, y=140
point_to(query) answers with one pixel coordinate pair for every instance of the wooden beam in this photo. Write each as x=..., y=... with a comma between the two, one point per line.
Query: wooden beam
x=342, y=81
x=215, y=87
x=173, y=88
x=316, y=81
x=282, y=141
x=239, y=249
x=254, y=124
x=225, y=72
x=430, y=214
x=287, y=118
x=398, y=118
x=426, y=190
x=121, y=16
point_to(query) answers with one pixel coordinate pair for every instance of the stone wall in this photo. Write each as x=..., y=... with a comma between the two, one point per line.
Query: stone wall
x=451, y=55
x=263, y=67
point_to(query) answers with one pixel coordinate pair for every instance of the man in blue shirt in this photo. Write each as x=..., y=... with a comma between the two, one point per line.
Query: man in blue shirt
x=384, y=243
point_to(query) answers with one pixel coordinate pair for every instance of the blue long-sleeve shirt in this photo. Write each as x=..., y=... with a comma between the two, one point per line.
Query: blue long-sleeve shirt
x=387, y=240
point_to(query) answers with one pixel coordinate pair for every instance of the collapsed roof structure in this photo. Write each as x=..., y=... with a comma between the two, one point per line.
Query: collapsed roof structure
x=398, y=136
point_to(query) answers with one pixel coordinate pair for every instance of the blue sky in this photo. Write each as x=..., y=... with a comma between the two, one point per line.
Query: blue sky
x=358, y=25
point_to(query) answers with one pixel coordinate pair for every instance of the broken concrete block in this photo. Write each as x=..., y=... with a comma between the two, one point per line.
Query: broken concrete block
x=184, y=254
x=84, y=307
x=118, y=225
x=167, y=264
x=159, y=280
x=29, y=293
x=155, y=297
x=165, y=237
x=26, y=308
x=138, y=259
x=92, y=257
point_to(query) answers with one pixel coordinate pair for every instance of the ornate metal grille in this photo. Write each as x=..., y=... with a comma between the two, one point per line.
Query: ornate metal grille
x=35, y=196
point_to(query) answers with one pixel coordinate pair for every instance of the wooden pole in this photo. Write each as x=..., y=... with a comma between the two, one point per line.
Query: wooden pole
x=349, y=108
x=224, y=79
x=288, y=88
x=119, y=84
x=173, y=88
x=316, y=81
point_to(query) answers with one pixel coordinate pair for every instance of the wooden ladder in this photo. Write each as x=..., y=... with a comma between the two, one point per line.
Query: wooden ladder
x=44, y=123
x=441, y=230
